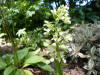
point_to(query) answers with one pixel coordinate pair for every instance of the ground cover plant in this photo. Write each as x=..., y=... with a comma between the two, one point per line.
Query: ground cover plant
x=84, y=45
x=40, y=38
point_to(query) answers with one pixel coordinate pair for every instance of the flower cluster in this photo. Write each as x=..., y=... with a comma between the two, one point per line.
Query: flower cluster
x=62, y=14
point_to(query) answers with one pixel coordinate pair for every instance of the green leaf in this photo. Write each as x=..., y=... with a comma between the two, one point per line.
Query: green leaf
x=33, y=53
x=20, y=72
x=56, y=73
x=33, y=60
x=9, y=70
x=27, y=72
x=45, y=67
x=22, y=53
x=8, y=58
x=2, y=64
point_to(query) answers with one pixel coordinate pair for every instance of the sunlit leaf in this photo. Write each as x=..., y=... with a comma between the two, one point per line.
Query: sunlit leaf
x=33, y=60
x=45, y=67
x=9, y=70
x=22, y=53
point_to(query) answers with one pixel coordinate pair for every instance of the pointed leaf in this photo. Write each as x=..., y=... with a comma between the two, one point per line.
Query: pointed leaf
x=33, y=53
x=45, y=67
x=9, y=70
x=22, y=53
x=8, y=58
x=33, y=60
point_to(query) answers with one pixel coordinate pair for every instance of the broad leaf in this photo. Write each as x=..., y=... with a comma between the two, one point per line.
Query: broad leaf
x=8, y=58
x=2, y=64
x=33, y=60
x=33, y=53
x=22, y=53
x=45, y=67
x=20, y=72
x=9, y=70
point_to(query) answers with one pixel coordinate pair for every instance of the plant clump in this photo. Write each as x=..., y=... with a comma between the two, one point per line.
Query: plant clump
x=85, y=45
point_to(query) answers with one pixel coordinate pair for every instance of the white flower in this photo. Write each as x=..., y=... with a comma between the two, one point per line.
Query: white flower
x=66, y=14
x=53, y=11
x=9, y=44
x=69, y=21
x=68, y=18
x=61, y=33
x=59, y=39
x=69, y=37
x=47, y=61
x=47, y=52
x=46, y=21
x=63, y=46
x=70, y=49
x=54, y=44
x=48, y=30
x=46, y=44
x=63, y=18
x=64, y=60
x=21, y=32
x=52, y=60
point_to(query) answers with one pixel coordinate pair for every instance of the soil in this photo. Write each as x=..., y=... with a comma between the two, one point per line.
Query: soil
x=37, y=71
x=67, y=70
x=73, y=70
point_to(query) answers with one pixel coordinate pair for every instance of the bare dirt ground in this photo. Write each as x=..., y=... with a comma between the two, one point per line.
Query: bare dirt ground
x=68, y=70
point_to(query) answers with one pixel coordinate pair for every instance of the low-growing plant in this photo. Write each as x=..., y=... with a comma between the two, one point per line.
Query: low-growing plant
x=85, y=44
x=30, y=39
x=25, y=59
x=15, y=64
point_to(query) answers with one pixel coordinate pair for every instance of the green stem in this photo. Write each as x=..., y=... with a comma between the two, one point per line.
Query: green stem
x=58, y=51
x=57, y=61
